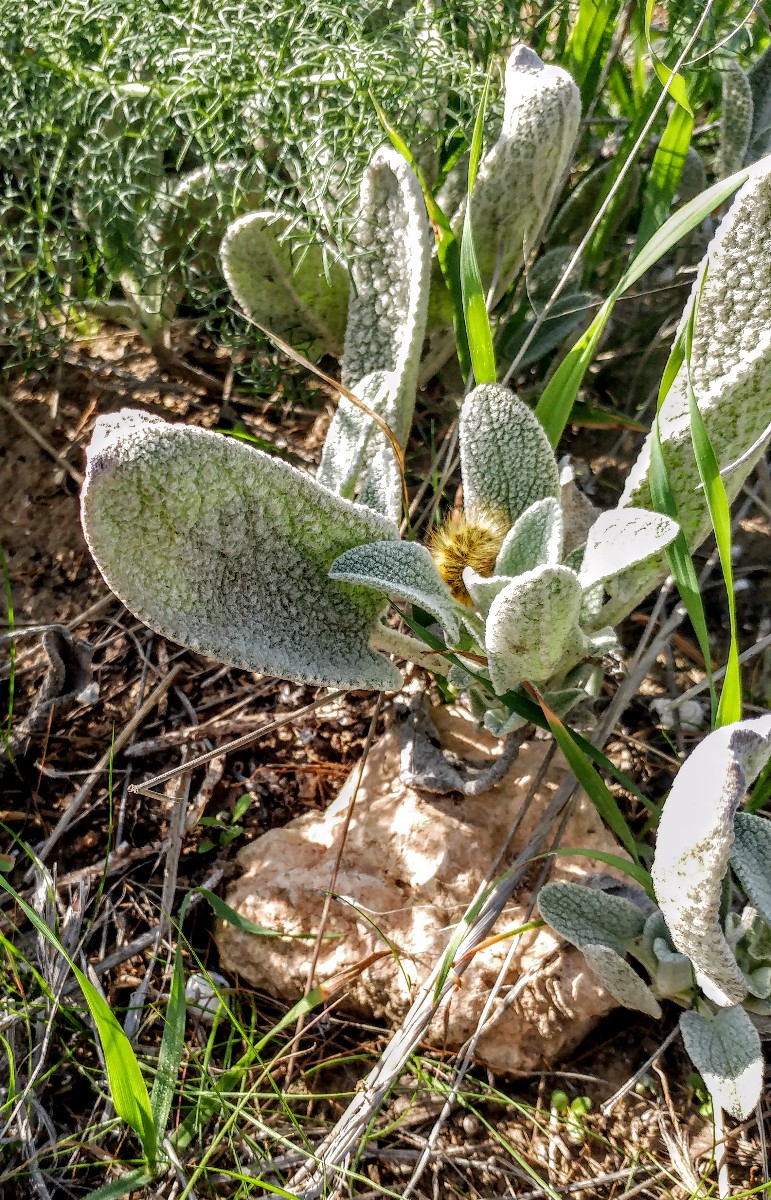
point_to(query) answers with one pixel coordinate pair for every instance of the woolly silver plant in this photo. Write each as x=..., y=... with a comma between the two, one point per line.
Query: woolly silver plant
x=709, y=955
x=519, y=177
x=730, y=371
x=527, y=606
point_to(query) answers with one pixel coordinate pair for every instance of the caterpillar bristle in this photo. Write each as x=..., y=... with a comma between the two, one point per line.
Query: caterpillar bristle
x=466, y=540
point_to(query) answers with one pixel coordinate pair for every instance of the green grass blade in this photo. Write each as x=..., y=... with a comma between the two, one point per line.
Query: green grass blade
x=679, y=556
x=666, y=169
x=132, y=1181
x=554, y=408
x=589, y=37
x=226, y=913
x=172, y=1049
x=127, y=1085
x=478, y=332
x=729, y=708
x=596, y=789
x=633, y=870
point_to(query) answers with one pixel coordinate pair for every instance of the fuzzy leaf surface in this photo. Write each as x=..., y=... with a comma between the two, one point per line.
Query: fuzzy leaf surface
x=589, y=917
x=621, y=979
x=534, y=540
x=227, y=551
x=290, y=295
x=519, y=176
x=694, y=845
x=530, y=624
x=483, y=588
x=727, y=1054
x=391, y=275
x=622, y=537
x=731, y=376
x=751, y=859
x=403, y=569
x=506, y=460
x=735, y=120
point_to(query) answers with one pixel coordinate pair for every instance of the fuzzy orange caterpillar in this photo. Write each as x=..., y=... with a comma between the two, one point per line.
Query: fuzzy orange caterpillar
x=467, y=540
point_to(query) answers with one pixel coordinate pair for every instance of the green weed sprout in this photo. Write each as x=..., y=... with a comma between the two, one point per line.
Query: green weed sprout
x=703, y=947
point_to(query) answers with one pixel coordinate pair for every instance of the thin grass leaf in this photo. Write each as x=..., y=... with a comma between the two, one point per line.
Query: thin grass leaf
x=633, y=870
x=132, y=1181
x=665, y=172
x=127, y=1085
x=478, y=332
x=554, y=407
x=586, y=774
x=678, y=555
x=226, y=913
x=729, y=708
x=589, y=38
x=672, y=80
x=171, y=1050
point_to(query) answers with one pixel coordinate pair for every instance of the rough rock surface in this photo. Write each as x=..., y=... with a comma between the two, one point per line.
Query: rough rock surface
x=412, y=862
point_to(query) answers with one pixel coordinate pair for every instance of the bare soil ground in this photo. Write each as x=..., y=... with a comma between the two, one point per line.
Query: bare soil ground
x=109, y=860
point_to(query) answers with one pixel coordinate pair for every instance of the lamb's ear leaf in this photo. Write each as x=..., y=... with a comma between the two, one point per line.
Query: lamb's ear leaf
x=693, y=848
x=293, y=295
x=404, y=569
x=345, y=450
x=751, y=859
x=621, y=979
x=759, y=77
x=730, y=370
x=622, y=537
x=391, y=273
x=530, y=624
x=736, y=119
x=534, y=540
x=518, y=178
x=727, y=1054
x=506, y=460
x=588, y=916
x=674, y=972
x=483, y=588
x=227, y=551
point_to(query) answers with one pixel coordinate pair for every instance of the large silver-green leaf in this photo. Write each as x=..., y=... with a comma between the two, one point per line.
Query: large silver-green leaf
x=751, y=859
x=534, y=540
x=760, y=86
x=731, y=375
x=620, y=538
x=295, y=295
x=588, y=916
x=530, y=625
x=384, y=335
x=506, y=460
x=693, y=848
x=735, y=120
x=403, y=569
x=519, y=176
x=227, y=550
x=621, y=979
x=483, y=588
x=727, y=1054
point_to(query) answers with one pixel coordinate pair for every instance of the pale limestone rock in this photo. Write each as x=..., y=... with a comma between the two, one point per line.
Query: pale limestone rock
x=412, y=862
